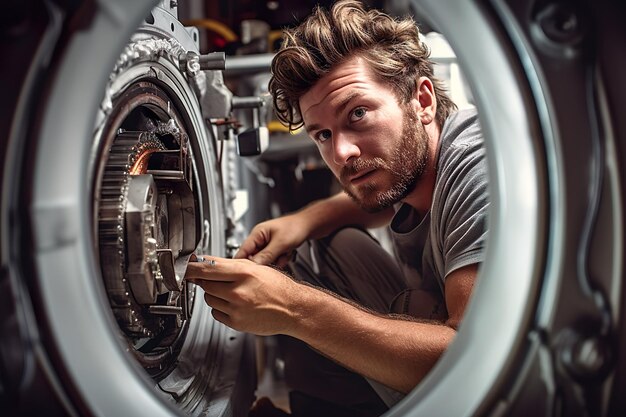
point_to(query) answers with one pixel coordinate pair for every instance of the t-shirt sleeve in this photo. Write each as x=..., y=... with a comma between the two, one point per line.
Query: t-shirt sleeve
x=463, y=222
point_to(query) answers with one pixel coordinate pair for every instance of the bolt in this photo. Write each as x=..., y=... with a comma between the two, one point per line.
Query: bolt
x=213, y=61
x=191, y=62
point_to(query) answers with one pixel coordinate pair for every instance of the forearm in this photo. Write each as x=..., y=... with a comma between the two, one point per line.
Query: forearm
x=397, y=353
x=330, y=214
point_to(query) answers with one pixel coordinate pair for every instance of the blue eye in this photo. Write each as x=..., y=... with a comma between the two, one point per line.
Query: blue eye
x=323, y=135
x=357, y=114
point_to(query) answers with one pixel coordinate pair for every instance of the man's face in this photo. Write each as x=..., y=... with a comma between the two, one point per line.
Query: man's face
x=376, y=147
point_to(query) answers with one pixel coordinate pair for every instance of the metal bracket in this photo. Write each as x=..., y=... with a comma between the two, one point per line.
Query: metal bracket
x=255, y=140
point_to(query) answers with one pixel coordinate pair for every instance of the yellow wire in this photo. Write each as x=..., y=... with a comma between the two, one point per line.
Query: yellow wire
x=276, y=126
x=215, y=26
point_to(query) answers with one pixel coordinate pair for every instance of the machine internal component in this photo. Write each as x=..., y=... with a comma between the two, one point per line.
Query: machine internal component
x=147, y=225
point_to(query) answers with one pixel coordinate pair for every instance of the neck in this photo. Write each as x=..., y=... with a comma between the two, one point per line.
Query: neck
x=421, y=197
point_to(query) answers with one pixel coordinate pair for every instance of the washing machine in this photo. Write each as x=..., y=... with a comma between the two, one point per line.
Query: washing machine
x=120, y=160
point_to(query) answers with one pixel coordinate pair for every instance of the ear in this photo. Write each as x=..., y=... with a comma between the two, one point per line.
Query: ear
x=425, y=96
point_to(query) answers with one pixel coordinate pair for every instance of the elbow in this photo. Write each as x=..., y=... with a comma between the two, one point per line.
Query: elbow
x=428, y=361
x=453, y=323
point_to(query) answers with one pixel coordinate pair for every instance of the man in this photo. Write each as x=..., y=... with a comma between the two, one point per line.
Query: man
x=361, y=85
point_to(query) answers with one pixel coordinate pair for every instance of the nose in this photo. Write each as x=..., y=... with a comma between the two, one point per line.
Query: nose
x=345, y=147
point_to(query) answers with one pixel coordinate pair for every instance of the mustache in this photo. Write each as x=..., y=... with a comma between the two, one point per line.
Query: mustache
x=359, y=165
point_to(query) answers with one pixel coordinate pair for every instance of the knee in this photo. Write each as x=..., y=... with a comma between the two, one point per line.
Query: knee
x=350, y=238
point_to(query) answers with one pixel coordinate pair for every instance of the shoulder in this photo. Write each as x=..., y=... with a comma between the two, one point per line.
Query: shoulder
x=461, y=145
x=460, y=131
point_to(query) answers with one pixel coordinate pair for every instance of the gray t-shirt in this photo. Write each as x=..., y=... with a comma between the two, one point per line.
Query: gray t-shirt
x=453, y=233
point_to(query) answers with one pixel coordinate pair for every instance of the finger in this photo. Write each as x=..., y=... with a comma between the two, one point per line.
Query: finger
x=218, y=289
x=263, y=258
x=213, y=269
x=269, y=255
x=255, y=242
x=284, y=259
x=216, y=302
x=243, y=252
x=220, y=316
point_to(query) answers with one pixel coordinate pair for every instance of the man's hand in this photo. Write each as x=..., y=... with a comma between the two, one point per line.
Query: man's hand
x=273, y=241
x=396, y=352
x=245, y=296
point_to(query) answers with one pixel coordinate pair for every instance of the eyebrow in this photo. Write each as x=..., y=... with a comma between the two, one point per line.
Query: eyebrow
x=340, y=108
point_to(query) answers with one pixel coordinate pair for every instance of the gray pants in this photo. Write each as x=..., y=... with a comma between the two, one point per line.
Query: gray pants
x=351, y=264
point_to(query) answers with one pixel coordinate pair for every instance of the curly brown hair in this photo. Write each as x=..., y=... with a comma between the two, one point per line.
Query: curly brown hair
x=327, y=38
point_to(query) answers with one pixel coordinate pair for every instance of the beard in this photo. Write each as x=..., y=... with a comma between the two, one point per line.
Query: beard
x=405, y=166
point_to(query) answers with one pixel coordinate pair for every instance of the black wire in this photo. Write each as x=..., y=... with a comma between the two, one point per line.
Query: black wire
x=221, y=152
x=596, y=180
